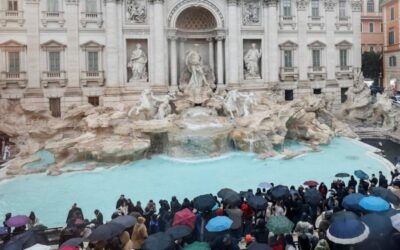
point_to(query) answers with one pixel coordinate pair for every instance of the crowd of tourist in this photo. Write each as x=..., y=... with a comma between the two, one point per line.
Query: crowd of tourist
x=250, y=219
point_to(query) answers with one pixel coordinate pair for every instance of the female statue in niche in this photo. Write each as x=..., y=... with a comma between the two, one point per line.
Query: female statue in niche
x=194, y=63
x=138, y=64
x=251, y=60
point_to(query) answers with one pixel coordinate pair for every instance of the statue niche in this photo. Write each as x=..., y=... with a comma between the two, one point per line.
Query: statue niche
x=137, y=62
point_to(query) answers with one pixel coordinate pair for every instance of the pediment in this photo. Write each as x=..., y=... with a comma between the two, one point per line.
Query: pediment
x=317, y=44
x=288, y=45
x=92, y=44
x=12, y=44
x=52, y=44
x=344, y=44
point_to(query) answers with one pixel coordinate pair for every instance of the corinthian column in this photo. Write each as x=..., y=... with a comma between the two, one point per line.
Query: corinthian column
x=174, y=63
x=32, y=34
x=72, y=24
x=233, y=42
x=111, y=50
x=159, y=39
x=220, y=61
x=273, y=58
x=331, y=53
x=356, y=7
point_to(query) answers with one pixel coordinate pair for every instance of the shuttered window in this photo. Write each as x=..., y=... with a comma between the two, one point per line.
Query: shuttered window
x=93, y=61
x=13, y=62
x=343, y=57
x=54, y=61
x=288, y=58
x=53, y=6
x=91, y=6
x=316, y=58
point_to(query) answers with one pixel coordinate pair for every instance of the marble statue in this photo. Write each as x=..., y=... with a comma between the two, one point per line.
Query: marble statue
x=251, y=14
x=138, y=64
x=136, y=11
x=231, y=103
x=146, y=105
x=194, y=63
x=251, y=60
x=249, y=101
x=163, y=107
x=153, y=107
x=240, y=104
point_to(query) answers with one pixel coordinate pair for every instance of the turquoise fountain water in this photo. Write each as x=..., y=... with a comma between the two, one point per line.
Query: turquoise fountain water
x=163, y=177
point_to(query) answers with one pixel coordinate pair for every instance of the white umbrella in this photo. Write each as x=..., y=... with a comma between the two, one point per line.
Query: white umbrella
x=38, y=247
x=396, y=221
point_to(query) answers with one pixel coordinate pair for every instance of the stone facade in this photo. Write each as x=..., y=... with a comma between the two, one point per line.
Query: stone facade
x=371, y=26
x=61, y=52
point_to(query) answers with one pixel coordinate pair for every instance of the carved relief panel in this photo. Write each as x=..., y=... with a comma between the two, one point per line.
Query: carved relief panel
x=251, y=12
x=136, y=11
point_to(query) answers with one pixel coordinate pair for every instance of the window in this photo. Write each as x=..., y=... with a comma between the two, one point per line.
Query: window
x=381, y=27
x=315, y=8
x=94, y=100
x=287, y=54
x=91, y=6
x=343, y=94
x=371, y=27
x=342, y=8
x=289, y=95
x=370, y=6
x=391, y=36
x=392, y=13
x=12, y=5
x=13, y=62
x=316, y=58
x=55, y=107
x=52, y=6
x=392, y=61
x=380, y=5
x=287, y=8
x=343, y=57
x=317, y=91
x=93, y=61
x=54, y=61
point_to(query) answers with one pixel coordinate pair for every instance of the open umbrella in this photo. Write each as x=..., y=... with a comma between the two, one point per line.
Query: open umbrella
x=280, y=192
x=184, y=217
x=385, y=194
x=221, y=193
x=361, y=174
x=350, y=202
x=311, y=183
x=258, y=246
x=219, y=224
x=179, y=232
x=204, y=202
x=18, y=221
x=280, y=225
x=126, y=220
x=342, y=175
x=347, y=231
x=265, y=185
x=74, y=242
x=343, y=215
x=197, y=245
x=38, y=247
x=230, y=197
x=158, y=241
x=257, y=202
x=106, y=231
x=379, y=225
x=374, y=204
x=246, y=194
x=26, y=240
x=312, y=196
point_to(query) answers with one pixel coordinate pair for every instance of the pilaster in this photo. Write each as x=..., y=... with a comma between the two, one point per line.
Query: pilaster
x=265, y=43
x=72, y=25
x=159, y=43
x=356, y=12
x=331, y=53
x=233, y=42
x=111, y=50
x=273, y=58
x=32, y=12
x=302, y=18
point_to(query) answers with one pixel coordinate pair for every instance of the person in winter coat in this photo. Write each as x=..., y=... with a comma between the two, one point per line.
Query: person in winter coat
x=175, y=205
x=99, y=218
x=289, y=243
x=126, y=241
x=139, y=234
x=261, y=232
x=383, y=182
x=225, y=242
x=323, y=189
x=186, y=204
x=235, y=214
x=121, y=202
x=352, y=182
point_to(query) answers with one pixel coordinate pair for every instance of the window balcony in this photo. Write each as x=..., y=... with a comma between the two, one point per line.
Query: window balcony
x=92, y=17
x=285, y=21
x=344, y=72
x=18, y=78
x=343, y=21
x=56, y=77
x=7, y=16
x=289, y=73
x=316, y=73
x=53, y=17
x=316, y=21
x=92, y=77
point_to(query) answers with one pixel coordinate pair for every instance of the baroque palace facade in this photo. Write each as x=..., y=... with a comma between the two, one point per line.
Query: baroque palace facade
x=56, y=53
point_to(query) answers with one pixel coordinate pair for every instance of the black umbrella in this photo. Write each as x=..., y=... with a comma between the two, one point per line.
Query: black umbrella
x=221, y=193
x=342, y=175
x=344, y=214
x=126, y=220
x=74, y=242
x=379, y=225
x=246, y=194
x=179, y=231
x=204, y=202
x=231, y=198
x=313, y=196
x=26, y=240
x=257, y=202
x=258, y=246
x=158, y=241
x=38, y=228
x=106, y=231
x=280, y=192
x=385, y=194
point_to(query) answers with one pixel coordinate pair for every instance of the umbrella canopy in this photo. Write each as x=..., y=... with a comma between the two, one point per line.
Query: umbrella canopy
x=179, y=231
x=280, y=225
x=347, y=231
x=350, y=202
x=344, y=215
x=258, y=246
x=38, y=247
x=395, y=219
x=342, y=175
x=374, y=204
x=280, y=192
x=18, y=221
x=184, y=217
x=230, y=197
x=313, y=196
x=204, y=202
x=3, y=231
x=106, y=231
x=127, y=220
x=246, y=194
x=158, y=241
x=385, y=194
x=265, y=185
x=221, y=193
x=26, y=240
x=74, y=242
x=379, y=225
x=198, y=246
x=361, y=174
x=38, y=228
x=310, y=183
x=257, y=202
x=219, y=224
